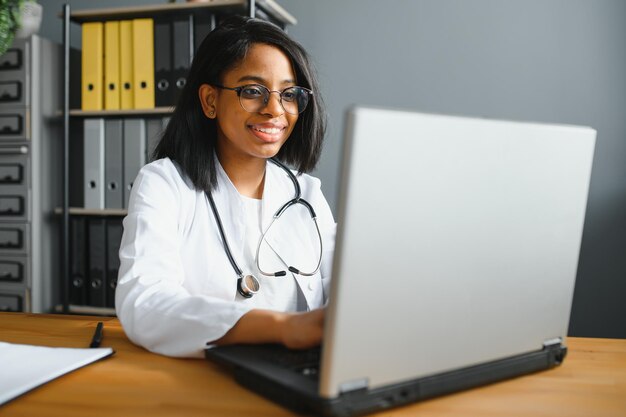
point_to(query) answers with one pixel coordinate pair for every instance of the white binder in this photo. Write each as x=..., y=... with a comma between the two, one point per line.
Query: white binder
x=94, y=163
x=134, y=152
x=113, y=164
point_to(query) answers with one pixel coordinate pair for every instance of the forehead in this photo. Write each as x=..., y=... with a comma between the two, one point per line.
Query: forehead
x=265, y=62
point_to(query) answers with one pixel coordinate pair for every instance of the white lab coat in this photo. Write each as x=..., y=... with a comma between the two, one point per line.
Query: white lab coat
x=176, y=288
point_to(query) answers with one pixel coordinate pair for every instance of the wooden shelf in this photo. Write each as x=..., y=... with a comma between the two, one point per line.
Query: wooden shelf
x=171, y=10
x=80, y=211
x=118, y=113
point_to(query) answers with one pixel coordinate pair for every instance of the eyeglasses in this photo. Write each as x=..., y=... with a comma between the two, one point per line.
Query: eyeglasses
x=254, y=97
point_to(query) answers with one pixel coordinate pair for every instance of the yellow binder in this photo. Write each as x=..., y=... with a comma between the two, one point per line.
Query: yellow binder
x=92, y=66
x=143, y=63
x=127, y=97
x=112, y=65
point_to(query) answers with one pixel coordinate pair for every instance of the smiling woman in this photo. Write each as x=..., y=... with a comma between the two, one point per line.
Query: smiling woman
x=190, y=277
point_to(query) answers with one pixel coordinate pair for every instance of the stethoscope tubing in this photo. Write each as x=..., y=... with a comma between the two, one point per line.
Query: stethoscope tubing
x=296, y=200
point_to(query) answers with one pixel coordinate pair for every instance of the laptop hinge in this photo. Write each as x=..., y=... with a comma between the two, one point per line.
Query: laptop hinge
x=552, y=342
x=354, y=385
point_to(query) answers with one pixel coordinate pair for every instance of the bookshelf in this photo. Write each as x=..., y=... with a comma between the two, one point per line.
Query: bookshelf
x=72, y=116
x=268, y=8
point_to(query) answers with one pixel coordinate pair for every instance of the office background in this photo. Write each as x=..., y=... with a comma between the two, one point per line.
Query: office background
x=556, y=61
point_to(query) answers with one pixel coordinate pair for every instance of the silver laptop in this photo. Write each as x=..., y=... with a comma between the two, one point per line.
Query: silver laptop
x=455, y=263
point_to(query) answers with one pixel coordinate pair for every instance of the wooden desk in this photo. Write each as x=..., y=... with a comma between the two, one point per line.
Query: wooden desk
x=134, y=382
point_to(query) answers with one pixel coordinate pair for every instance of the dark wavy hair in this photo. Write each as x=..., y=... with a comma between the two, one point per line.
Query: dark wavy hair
x=190, y=137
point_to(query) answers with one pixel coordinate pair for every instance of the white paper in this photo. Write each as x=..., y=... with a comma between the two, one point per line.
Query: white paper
x=24, y=367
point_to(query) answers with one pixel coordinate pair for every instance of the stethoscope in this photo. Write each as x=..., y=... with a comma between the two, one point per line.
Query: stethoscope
x=248, y=285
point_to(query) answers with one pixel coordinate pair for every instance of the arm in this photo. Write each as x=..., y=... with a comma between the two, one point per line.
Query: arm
x=153, y=303
x=294, y=330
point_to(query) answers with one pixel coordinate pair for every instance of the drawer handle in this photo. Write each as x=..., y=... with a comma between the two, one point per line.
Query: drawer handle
x=20, y=150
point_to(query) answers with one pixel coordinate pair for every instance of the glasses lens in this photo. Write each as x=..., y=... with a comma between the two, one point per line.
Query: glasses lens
x=253, y=97
x=295, y=99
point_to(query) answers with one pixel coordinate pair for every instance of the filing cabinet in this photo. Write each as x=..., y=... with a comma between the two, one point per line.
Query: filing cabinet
x=30, y=175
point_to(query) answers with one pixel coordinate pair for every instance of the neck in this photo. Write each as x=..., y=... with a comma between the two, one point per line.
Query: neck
x=246, y=174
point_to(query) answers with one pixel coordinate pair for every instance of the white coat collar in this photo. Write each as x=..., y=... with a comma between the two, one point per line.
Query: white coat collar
x=277, y=190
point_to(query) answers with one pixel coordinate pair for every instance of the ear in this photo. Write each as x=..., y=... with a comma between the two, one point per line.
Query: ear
x=208, y=97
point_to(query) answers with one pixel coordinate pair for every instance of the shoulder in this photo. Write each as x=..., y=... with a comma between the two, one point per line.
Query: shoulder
x=166, y=172
x=309, y=183
x=161, y=184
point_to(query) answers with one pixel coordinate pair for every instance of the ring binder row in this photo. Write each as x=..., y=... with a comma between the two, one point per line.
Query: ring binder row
x=138, y=63
x=114, y=150
x=94, y=260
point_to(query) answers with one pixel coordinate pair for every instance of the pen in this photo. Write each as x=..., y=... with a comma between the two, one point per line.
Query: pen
x=97, y=336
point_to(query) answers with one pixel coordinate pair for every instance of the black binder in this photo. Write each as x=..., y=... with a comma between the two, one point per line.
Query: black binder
x=181, y=55
x=164, y=91
x=114, y=237
x=203, y=24
x=78, y=252
x=97, y=262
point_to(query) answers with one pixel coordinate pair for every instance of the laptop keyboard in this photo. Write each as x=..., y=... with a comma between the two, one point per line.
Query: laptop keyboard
x=305, y=362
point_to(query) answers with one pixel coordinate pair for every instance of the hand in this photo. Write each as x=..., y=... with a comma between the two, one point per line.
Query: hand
x=303, y=330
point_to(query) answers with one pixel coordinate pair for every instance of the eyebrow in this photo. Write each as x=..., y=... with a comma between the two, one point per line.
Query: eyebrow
x=261, y=80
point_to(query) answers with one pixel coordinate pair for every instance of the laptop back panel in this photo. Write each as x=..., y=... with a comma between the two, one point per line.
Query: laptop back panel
x=457, y=245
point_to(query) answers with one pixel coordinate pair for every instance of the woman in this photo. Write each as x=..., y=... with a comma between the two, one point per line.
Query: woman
x=194, y=254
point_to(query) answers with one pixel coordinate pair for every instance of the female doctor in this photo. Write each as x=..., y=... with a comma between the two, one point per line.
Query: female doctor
x=223, y=243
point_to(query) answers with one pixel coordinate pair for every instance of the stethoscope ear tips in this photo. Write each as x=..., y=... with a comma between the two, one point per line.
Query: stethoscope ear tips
x=248, y=285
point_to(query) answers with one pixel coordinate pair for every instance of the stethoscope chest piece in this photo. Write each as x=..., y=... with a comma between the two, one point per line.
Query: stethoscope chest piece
x=248, y=285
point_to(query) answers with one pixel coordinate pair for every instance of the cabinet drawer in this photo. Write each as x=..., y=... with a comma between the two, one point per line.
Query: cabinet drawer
x=12, y=270
x=14, y=124
x=13, y=166
x=12, y=92
x=13, y=207
x=11, y=302
x=13, y=238
x=11, y=60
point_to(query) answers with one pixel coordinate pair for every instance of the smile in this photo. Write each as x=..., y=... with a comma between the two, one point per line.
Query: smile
x=269, y=130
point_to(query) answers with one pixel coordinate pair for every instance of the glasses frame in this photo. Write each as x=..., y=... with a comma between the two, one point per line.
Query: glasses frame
x=239, y=89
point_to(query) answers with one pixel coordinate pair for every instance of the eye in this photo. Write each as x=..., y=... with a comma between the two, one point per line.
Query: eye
x=252, y=91
x=290, y=94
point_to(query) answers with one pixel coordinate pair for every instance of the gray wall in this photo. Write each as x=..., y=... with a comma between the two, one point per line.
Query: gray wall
x=558, y=61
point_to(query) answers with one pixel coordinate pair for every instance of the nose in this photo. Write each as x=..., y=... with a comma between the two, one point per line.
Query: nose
x=273, y=107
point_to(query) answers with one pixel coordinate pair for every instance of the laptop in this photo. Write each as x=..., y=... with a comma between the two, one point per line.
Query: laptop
x=456, y=255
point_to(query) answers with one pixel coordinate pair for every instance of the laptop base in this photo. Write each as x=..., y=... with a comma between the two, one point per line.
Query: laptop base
x=300, y=393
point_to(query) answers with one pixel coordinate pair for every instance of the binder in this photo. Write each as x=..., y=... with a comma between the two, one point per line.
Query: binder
x=93, y=162
x=154, y=131
x=203, y=25
x=114, y=238
x=127, y=97
x=113, y=160
x=92, y=66
x=96, y=291
x=78, y=272
x=181, y=55
x=143, y=63
x=134, y=152
x=112, y=65
x=164, y=91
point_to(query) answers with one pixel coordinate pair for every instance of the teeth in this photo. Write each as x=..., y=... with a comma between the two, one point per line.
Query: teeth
x=271, y=130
